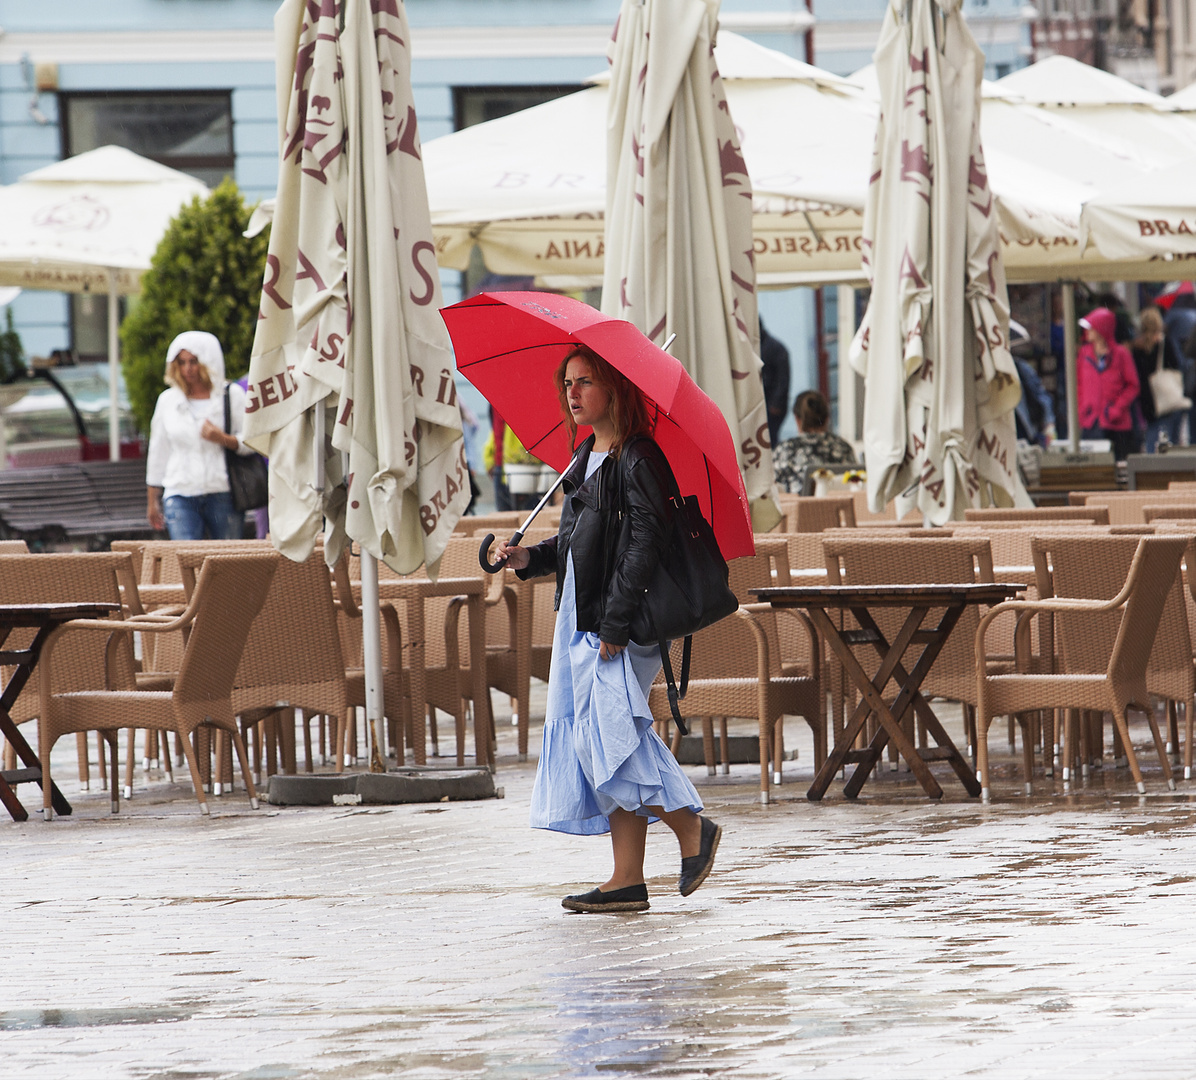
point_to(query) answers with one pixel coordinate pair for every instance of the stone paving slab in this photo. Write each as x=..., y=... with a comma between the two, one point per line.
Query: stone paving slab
x=893, y=937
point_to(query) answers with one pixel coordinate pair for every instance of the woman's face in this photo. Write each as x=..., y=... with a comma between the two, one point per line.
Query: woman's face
x=189, y=370
x=1096, y=340
x=588, y=402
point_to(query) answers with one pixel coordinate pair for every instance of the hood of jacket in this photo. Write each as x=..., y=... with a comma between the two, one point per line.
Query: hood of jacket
x=1103, y=321
x=205, y=348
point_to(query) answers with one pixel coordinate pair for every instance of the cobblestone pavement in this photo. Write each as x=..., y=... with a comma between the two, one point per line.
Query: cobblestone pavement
x=887, y=938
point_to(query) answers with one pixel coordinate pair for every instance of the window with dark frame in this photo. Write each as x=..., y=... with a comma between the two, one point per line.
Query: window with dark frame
x=191, y=131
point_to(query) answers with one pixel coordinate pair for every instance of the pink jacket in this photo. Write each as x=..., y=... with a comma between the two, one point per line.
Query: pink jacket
x=1106, y=395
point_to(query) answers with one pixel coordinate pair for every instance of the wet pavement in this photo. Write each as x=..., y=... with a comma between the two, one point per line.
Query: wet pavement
x=1039, y=937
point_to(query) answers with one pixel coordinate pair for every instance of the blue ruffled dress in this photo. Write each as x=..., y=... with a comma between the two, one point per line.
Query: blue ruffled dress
x=600, y=752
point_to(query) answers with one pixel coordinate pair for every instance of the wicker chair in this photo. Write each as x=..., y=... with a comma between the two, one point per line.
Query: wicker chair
x=83, y=663
x=737, y=669
x=1139, y=604
x=293, y=659
x=1095, y=568
x=1169, y=512
x=812, y=513
x=231, y=591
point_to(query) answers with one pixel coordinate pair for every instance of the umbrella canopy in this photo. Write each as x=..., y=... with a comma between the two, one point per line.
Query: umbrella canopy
x=509, y=345
x=1158, y=217
x=67, y=225
x=529, y=189
x=348, y=334
x=679, y=219
x=941, y=385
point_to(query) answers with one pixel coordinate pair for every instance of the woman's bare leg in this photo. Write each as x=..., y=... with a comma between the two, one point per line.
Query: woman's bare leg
x=629, y=836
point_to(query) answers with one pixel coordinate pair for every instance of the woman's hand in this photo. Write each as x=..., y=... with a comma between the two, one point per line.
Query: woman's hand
x=213, y=434
x=514, y=556
x=608, y=651
x=153, y=509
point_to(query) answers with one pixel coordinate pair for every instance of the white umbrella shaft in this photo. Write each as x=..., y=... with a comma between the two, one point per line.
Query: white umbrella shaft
x=371, y=630
x=113, y=372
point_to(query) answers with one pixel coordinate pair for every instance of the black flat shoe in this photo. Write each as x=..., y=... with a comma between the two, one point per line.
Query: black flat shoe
x=696, y=868
x=632, y=898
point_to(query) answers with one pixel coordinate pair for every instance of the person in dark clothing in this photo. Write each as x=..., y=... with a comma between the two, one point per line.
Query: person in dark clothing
x=775, y=374
x=1150, y=347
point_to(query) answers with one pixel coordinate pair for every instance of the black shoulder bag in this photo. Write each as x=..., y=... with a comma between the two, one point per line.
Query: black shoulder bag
x=248, y=474
x=688, y=592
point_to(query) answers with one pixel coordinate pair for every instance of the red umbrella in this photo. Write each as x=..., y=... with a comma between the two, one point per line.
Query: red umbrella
x=509, y=344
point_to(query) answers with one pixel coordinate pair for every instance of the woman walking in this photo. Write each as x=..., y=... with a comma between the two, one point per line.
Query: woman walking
x=1106, y=384
x=187, y=490
x=602, y=767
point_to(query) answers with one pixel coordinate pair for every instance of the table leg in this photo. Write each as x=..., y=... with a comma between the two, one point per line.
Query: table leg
x=419, y=682
x=846, y=739
x=482, y=743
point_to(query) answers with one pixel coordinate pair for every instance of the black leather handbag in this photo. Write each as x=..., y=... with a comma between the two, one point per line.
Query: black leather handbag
x=688, y=592
x=248, y=474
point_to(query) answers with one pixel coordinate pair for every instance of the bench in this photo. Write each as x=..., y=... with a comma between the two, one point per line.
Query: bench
x=84, y=502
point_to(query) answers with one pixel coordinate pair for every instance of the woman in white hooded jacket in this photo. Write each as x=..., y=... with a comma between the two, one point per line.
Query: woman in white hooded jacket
x=187, y=490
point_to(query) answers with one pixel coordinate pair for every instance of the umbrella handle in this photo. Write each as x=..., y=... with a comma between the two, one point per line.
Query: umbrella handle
x=484, y=552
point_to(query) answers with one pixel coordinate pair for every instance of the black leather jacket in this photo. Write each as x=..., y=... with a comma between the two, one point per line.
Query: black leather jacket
x=614, y=554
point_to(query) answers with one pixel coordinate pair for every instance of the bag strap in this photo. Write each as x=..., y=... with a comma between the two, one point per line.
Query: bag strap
x=675, y=695
x=228, y=413
x=1159, y=365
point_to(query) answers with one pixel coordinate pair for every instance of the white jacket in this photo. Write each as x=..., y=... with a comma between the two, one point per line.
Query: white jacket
x=179, y=458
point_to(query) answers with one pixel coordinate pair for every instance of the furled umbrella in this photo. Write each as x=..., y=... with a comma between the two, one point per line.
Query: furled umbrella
x=351, y=392
x=940, y=383
x=679, y=247
x=509, y=345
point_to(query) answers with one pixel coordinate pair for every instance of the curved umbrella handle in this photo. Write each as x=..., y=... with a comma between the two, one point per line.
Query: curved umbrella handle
x=484, y=552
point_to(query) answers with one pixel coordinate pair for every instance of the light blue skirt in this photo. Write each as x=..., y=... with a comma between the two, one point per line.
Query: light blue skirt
x=600, y=752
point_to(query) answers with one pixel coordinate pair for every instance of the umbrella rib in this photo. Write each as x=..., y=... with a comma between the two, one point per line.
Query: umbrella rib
x=547, y=435
x=511, y=352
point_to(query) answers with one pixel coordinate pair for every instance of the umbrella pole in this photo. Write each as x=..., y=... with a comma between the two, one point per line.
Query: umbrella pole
x=113, y=371
x=1069, y=366
x=371, y=630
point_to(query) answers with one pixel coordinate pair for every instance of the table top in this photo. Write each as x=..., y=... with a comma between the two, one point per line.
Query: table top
x=887, y=595
x=42, y=614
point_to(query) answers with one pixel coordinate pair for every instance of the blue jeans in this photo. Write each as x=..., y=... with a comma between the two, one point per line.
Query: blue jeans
x=188, y=516
x=1170, y=424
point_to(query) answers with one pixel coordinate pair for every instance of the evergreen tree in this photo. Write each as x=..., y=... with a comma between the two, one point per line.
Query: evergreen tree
x=204, y=276
x=12, y=354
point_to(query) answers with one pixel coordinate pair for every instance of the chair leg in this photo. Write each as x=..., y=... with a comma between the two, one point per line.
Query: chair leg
x=102, y=760
x=708, y=743
x=765, y=745
x=778, y=748
x=969, y=730
x=196, y=778
x=459, y=727
x=725, y=749
x=308, y=764
x=1119, y=719
x=243, y=757
x=983, y=720
x=129, y=760
x=1188, y=740
x=113, y=740
x=84, y=762
x=1160, y=746
x=1173, y=728
x=433, y=730
x=1025, y=722
x=167, y=765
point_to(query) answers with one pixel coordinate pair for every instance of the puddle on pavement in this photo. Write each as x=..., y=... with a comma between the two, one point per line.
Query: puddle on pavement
x=32, y=1019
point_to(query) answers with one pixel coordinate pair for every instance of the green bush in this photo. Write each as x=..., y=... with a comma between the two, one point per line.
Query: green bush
x=204, y=276
x=12, y=354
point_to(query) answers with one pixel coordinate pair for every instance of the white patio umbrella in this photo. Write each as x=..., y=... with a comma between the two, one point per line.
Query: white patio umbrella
x=1157, y=216
x=91, y=223
x=351, y=378
x=679, y=254
x=941, y=385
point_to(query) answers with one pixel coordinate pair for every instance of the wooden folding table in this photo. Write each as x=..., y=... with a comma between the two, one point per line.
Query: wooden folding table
x=917, y=601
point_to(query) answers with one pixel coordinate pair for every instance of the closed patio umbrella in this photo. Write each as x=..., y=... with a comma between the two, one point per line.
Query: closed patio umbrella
x=941, y=385
x=679, y=255
x=351, y=391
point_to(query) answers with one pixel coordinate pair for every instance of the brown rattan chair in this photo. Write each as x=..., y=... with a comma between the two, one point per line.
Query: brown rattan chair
x=1095, y=568
x=100, y=577
x=231, y=590
x=13, y=547
x=1169, y=512
x=737, y=670
x=813, y=513
x=1138, y=606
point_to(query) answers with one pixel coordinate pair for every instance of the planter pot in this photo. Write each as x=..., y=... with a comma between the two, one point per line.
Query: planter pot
x=522, y=479
x=548, y=477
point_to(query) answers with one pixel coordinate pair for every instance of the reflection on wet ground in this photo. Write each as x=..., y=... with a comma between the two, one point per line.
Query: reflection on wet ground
x=892, y=937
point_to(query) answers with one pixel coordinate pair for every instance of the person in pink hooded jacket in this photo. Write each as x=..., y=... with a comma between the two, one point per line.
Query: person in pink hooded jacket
x=1106, y=384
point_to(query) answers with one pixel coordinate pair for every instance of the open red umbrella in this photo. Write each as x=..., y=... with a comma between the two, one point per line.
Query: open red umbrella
x=509, y=344
x=1172, y=292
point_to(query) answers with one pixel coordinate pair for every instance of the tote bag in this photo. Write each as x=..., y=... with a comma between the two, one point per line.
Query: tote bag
x=247, y=473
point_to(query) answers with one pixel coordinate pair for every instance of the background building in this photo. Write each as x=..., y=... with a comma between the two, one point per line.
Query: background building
x=190, y=83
